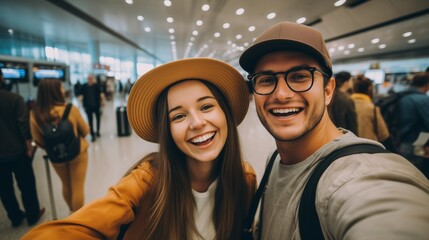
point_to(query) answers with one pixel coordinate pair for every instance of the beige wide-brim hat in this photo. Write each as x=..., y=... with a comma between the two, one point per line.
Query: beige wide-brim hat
x=145, y=92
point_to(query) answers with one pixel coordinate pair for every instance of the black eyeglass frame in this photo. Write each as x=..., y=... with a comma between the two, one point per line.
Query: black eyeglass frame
x=250, y=77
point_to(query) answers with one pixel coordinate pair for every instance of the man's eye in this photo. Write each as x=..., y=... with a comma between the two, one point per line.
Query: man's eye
x=265, y=80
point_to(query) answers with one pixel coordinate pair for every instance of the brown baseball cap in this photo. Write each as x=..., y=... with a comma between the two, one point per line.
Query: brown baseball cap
x=141, y=106
x=287, y=36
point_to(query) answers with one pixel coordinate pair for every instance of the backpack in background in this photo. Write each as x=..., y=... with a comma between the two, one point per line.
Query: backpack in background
x=389, y=110
x=61, y=144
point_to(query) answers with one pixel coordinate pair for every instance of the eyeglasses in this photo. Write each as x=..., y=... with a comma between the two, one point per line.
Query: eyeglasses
x=298, y=79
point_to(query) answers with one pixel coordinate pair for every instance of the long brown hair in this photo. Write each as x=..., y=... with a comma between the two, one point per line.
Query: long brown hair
x=48, y=95
x=172, y=215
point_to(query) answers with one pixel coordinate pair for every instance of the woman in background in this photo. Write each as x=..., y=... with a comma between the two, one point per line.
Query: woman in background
x=197, y=185
x=49, y=108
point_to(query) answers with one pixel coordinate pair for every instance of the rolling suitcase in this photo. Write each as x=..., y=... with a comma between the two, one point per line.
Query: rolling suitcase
x=122, y=122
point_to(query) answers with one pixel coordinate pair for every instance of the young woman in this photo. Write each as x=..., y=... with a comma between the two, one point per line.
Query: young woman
x=50, y=106
x=196, y=186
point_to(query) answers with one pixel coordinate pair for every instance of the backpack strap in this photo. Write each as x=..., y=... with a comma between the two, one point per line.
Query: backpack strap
x=309, y=224
x=66, y=112
x=256, y=198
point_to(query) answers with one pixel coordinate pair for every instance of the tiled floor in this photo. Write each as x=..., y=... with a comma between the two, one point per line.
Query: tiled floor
x=110, y=156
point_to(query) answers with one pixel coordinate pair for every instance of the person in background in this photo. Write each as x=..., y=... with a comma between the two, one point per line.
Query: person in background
x=16, y=153
x=342, y=110
x=93, y=100
x=371, y=196
x=371, y=123
x=196, y=186
x=414, y=119
x=49, y=107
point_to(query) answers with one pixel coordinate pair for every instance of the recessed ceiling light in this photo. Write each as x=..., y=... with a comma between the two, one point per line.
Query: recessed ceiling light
x=361, y=49
x=271, y=15
x=171, y=37
x=199, y=23
x=147, y=29
x=375, y=40
x=407, y=34
x=412, y=40
x=246, y=44
x=205, y=7
x=170, y=19
x=167, y=3
x=10, y=31
x=140, y=18
x=238, y=36
x=339, y=3
x=171, y=30
x=226, y=25
x=233, y=45
x=332, y=50
x=195, y=33
x=301, y=20
x=381, y=46
x=129, y=1
x=251, y=28
x=351, y=45
x=341, y=48
x=216, y=34
x=239, y=11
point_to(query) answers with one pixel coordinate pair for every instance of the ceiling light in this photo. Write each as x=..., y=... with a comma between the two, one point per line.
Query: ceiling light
x=341, y=48
x=170, y=19
x=332, y=50
x=171, y=37
x=239, y=11
x=246, y=44
x=234, y=45
x=238, y=36
x=205, y=7
x=147, y=29
x=167, y=3
x=192, y=39
x=173, y=43
x=252, y=28
x=226, y=25
x=339, y=3
x=301, y=20
x=140, y=18
x=195, y=33
x=171, y=30
x=10, y=31
x=199, y=23
x=361, y=49
x=407, y=34
x=351, y=45
x=271, y=15
x=129, y=1
x=375, y=40
x=412, y=40
x=346, y=52
x=381, y=46
x=216, y=34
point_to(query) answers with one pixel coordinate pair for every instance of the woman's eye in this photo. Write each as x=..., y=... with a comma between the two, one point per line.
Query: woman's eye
x=178, y=117
x=206, y=107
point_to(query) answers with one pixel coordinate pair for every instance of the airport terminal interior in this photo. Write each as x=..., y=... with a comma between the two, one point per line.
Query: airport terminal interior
x=120, y=40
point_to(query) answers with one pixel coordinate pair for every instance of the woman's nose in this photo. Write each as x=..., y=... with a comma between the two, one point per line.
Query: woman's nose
x=196, y=121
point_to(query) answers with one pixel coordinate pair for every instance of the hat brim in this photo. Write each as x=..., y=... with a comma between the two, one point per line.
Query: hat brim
x=145, y=92
x=252, y=55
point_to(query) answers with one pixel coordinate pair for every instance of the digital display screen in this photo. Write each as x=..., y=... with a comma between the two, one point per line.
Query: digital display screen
x=376, y=75
x=49, y=73
x=14, y=71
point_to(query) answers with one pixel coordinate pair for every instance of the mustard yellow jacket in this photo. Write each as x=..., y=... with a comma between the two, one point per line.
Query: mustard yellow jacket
x=124, y=203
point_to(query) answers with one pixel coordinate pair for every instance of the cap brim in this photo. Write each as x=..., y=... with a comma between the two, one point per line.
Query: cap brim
x=145, y=92
x=252, y=55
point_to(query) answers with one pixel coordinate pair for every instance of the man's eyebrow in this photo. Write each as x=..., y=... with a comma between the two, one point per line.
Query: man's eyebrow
x=198, y=100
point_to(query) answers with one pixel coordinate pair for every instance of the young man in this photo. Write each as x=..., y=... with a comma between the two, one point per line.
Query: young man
x=372, y=196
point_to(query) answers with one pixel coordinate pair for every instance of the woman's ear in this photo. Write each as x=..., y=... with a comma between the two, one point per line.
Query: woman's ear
x=329, y=90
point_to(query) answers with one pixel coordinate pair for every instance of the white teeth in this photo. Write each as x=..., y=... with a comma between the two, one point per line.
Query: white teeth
x=288, y=110
x=202, y=138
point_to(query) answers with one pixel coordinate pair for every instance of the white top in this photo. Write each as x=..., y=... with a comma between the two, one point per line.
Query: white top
x=203, y=213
